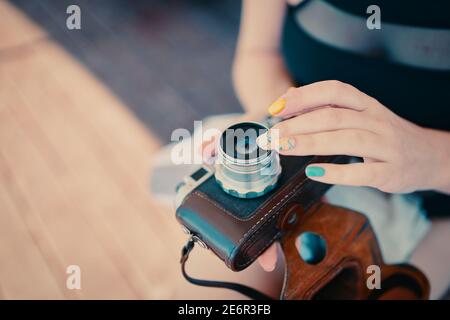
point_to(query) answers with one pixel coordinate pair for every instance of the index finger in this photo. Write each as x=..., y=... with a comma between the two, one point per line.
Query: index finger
x=320, y=94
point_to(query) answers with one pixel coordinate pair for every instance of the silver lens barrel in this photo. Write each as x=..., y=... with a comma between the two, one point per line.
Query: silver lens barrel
x=243, y=169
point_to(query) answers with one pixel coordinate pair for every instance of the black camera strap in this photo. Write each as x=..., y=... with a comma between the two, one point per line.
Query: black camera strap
x=247, y=291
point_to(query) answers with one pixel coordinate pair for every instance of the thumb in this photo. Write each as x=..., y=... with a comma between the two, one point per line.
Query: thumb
x=208, y=149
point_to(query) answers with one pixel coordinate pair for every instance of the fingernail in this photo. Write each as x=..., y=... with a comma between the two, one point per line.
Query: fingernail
x=269, y=268
x=262, y=140
x=286, y=144
x=277, y=106
x=312, y=171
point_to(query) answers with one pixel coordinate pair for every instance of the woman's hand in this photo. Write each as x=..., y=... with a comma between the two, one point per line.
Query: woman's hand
x=335, y=118
x=332, y=118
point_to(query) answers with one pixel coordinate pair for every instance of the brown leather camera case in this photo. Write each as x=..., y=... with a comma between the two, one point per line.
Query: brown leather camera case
x=239, y=230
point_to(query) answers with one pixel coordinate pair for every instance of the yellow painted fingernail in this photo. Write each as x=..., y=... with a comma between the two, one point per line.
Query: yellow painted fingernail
x=277, y=106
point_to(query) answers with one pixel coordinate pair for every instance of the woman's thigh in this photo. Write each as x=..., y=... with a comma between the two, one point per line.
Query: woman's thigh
x=432, y=256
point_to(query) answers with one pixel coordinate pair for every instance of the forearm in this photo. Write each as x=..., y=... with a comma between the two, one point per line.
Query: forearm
x=259, y=74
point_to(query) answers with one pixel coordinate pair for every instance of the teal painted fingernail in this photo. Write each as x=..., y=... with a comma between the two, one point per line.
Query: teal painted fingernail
x=315, y=171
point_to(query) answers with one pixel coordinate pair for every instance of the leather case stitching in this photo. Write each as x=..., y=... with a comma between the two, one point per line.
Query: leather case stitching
x=252, y=258
x=202, y=195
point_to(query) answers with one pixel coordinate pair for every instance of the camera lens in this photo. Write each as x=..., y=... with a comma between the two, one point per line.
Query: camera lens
x=239, y=141
x=243, y=169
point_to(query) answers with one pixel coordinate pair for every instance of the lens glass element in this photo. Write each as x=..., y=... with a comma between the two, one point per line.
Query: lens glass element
x=239, y=141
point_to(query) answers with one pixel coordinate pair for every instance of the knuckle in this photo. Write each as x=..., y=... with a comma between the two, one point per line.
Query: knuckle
x=335, y=83
x=293, y=94
x=388, y=186
x=308, y=144
x=331, y=117
x=356, y=137
x=395, y=150
x=371, y=177
x=334, y=87
x=292, y=90
x=397, y=154
x=388, y=129
x=384, y=181
x=376, y=179
x=385, y=188
x=374, y=102
x=338, y=86
x=382, y=126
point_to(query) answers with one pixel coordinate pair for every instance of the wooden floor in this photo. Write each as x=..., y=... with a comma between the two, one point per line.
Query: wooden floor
x=74, y=164
x=160, y=57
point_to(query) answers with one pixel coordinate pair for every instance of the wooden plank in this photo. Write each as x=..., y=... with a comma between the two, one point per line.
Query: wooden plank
x=21, y=261
x=29, y=216
x=53, y=219
x=16, y=29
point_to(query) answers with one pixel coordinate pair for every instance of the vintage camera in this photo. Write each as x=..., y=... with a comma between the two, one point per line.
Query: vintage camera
x=240, y=206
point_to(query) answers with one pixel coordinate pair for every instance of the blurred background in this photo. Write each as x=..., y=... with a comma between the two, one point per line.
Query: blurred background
x=165, y=59
x=82, y=112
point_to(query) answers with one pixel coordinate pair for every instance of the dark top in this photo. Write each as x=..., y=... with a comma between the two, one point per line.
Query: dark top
x=419, y=95
x=433, y=14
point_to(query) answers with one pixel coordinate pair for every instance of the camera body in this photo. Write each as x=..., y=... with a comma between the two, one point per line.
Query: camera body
x=237, y=229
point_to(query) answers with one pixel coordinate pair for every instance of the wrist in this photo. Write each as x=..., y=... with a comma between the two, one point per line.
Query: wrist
x=440, y=144
x=259, y=78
